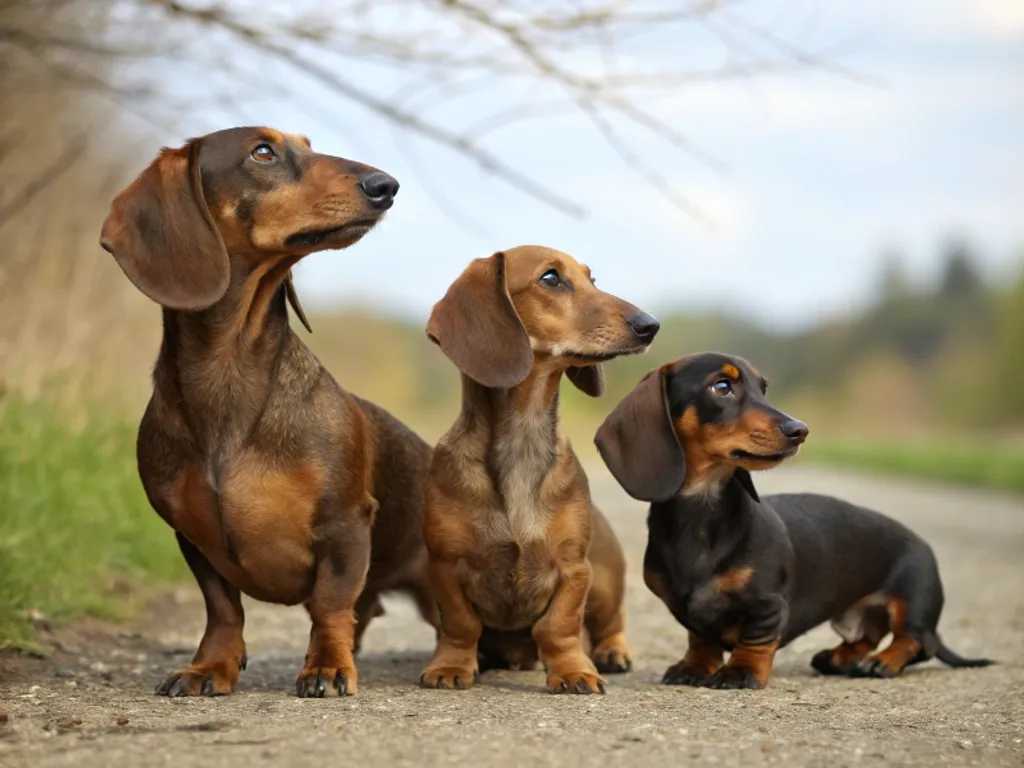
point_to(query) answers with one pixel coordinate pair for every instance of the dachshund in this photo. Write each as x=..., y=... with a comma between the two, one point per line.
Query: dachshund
x=521, y=560
x=749, y=575
x=277, y=482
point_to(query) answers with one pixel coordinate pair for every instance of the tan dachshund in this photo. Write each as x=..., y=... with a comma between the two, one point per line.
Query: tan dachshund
x=276, y=480
x=521, y=560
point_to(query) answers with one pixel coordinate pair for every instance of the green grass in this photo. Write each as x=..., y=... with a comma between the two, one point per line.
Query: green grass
x=75, y=525
x=995, y=466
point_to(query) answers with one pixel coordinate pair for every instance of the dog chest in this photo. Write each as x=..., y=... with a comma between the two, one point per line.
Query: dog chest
x=255, y=532
x=510, y=583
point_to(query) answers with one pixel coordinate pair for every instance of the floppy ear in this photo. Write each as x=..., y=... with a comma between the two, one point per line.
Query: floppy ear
x=746, y=482
x=161, y=233
x=639, y=444
x=587, y=378
x=477, y=327
x=293, y=299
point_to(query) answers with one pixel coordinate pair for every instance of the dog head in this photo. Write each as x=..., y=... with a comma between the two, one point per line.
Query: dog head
x=691, y=425
x=254, y=193
x=535, y=307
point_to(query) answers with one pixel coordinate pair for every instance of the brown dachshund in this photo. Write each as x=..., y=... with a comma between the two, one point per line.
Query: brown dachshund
x=520, y=559
x=275, y=479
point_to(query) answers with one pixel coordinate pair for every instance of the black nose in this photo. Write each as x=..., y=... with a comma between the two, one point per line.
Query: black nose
x=644, y=327
x=380, y=188
x=795, y=431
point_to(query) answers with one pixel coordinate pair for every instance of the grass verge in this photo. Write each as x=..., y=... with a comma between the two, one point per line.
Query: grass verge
x=75, y=525
x=995, y=466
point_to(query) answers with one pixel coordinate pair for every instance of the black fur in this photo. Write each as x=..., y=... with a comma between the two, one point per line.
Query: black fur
x=740, y=571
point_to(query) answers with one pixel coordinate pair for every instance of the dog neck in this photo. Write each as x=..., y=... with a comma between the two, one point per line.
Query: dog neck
x=708, y=485
x=710, y=512
x=517, y=432
x=218, y=365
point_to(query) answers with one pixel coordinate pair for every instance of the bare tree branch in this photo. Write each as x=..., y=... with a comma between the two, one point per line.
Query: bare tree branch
x=438, y=51
x=483, y=158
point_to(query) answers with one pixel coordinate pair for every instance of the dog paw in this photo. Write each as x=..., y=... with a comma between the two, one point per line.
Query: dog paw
x=732, y=678
x=216, y=679
x=874, y=667
x=612, y=661
x=680, y=674
x=824, y=662
x=457, y=678
x=321, y=682
x=575, y=682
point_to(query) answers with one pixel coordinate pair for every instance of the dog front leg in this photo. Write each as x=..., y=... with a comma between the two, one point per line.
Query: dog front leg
x=221, y=655
x=558, y=635
x=454, y=664
x=751, y=660
x=343, y=558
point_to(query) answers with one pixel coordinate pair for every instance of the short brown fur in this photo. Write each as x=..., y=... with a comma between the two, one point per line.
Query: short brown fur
x=271, y=474
x=523, y=563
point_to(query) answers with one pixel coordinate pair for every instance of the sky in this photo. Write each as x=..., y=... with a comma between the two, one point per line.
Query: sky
x=824, y=174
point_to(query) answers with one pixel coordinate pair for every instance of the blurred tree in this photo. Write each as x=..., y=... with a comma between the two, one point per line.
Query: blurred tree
x=1010, y=360
x=960, y=278
x=894, y=282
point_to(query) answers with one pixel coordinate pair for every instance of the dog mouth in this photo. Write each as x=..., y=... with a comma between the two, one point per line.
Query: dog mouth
x=769, y=457
x=604, y=356
x=346, y=234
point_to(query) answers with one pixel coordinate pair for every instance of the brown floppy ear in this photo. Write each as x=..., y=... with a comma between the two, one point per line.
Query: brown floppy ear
x=477, y=327
x=293, y=299
x=161, y=233
x=587, y=378
x=639, y=443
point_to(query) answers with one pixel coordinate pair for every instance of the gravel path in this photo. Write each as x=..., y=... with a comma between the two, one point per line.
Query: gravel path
x=91, y=703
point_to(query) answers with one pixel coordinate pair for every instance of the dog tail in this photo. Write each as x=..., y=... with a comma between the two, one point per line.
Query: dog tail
x=947, y=656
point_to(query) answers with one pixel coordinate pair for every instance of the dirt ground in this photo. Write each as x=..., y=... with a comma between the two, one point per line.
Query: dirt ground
x=92, y=702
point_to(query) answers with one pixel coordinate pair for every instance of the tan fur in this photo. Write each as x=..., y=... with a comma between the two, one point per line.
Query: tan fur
x=509, y=521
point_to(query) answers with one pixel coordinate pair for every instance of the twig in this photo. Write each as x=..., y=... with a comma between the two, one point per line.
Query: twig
x=486, y=160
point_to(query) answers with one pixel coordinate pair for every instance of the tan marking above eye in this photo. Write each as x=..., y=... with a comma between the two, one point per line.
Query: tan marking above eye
x=731, y=371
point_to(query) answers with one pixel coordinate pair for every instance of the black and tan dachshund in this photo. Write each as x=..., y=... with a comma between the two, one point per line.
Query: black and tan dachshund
x=749, y=575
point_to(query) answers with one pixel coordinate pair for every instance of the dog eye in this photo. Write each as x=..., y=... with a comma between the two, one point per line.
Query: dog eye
x=722, y=388
x=264, y=153
x=551, y=279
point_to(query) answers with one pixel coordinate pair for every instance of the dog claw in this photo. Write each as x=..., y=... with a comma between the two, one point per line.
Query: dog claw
x=576, y=683
x=679, y=675
x=318, y=684
x=732, y=678
x=873, y=668
x=447, y=678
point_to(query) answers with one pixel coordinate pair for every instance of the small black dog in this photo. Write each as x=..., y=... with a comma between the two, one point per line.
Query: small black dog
x=747, y=575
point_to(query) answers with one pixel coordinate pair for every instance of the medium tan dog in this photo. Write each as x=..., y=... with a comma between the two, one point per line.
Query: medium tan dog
x=520, y=558
x=275, y=479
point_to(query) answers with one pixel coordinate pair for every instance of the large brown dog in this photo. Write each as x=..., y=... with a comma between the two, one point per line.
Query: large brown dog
x=520, y=559
x=275, y=479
